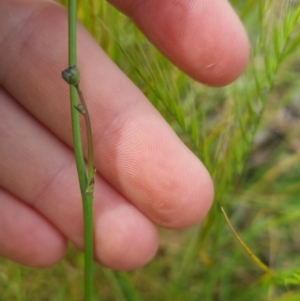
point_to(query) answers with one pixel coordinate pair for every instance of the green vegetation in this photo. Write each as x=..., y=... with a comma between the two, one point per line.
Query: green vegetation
x=86, y=178
x=248, y=136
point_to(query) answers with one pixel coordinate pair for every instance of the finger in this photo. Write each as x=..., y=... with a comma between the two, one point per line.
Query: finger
x=40, y=170
x=203, y=38
x=135, y=149
x=25, y=236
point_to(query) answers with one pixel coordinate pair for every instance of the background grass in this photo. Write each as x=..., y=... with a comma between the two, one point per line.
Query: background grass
x=248, y=136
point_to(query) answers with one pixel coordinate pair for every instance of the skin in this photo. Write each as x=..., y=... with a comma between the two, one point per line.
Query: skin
x=146, y=175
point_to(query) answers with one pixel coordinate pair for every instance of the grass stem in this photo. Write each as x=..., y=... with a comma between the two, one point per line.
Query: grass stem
x=86, y=179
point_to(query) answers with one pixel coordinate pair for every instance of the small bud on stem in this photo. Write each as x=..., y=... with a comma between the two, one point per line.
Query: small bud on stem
x=71, y=75
x=80, y=109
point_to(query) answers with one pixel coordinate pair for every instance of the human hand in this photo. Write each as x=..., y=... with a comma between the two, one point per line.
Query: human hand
x=146, y=175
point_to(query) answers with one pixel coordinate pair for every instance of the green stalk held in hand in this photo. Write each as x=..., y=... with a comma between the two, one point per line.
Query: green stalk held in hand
x=86, y=179
x=72, y=76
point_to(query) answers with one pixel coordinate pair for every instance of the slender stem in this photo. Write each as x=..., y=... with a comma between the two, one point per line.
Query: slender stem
x=87, y=197
x=248, y=251
x=91, y=170
x=88, y=247
x=74, y=99
x=72, y=32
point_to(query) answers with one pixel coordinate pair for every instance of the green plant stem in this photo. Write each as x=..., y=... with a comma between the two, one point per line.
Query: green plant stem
x=248, y=251
x=87, y=198
x=91, y=170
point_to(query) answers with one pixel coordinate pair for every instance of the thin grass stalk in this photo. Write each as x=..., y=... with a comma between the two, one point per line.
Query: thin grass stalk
x=85, y=180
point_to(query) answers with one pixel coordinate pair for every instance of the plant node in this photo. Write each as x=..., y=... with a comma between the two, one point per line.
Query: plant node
x=80, y=109
x=71, y=75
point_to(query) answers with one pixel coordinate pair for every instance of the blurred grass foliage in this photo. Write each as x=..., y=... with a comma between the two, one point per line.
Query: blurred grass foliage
x=248, y=136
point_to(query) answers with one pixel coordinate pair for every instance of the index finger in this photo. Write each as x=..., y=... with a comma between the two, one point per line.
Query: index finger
x=203, y=38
